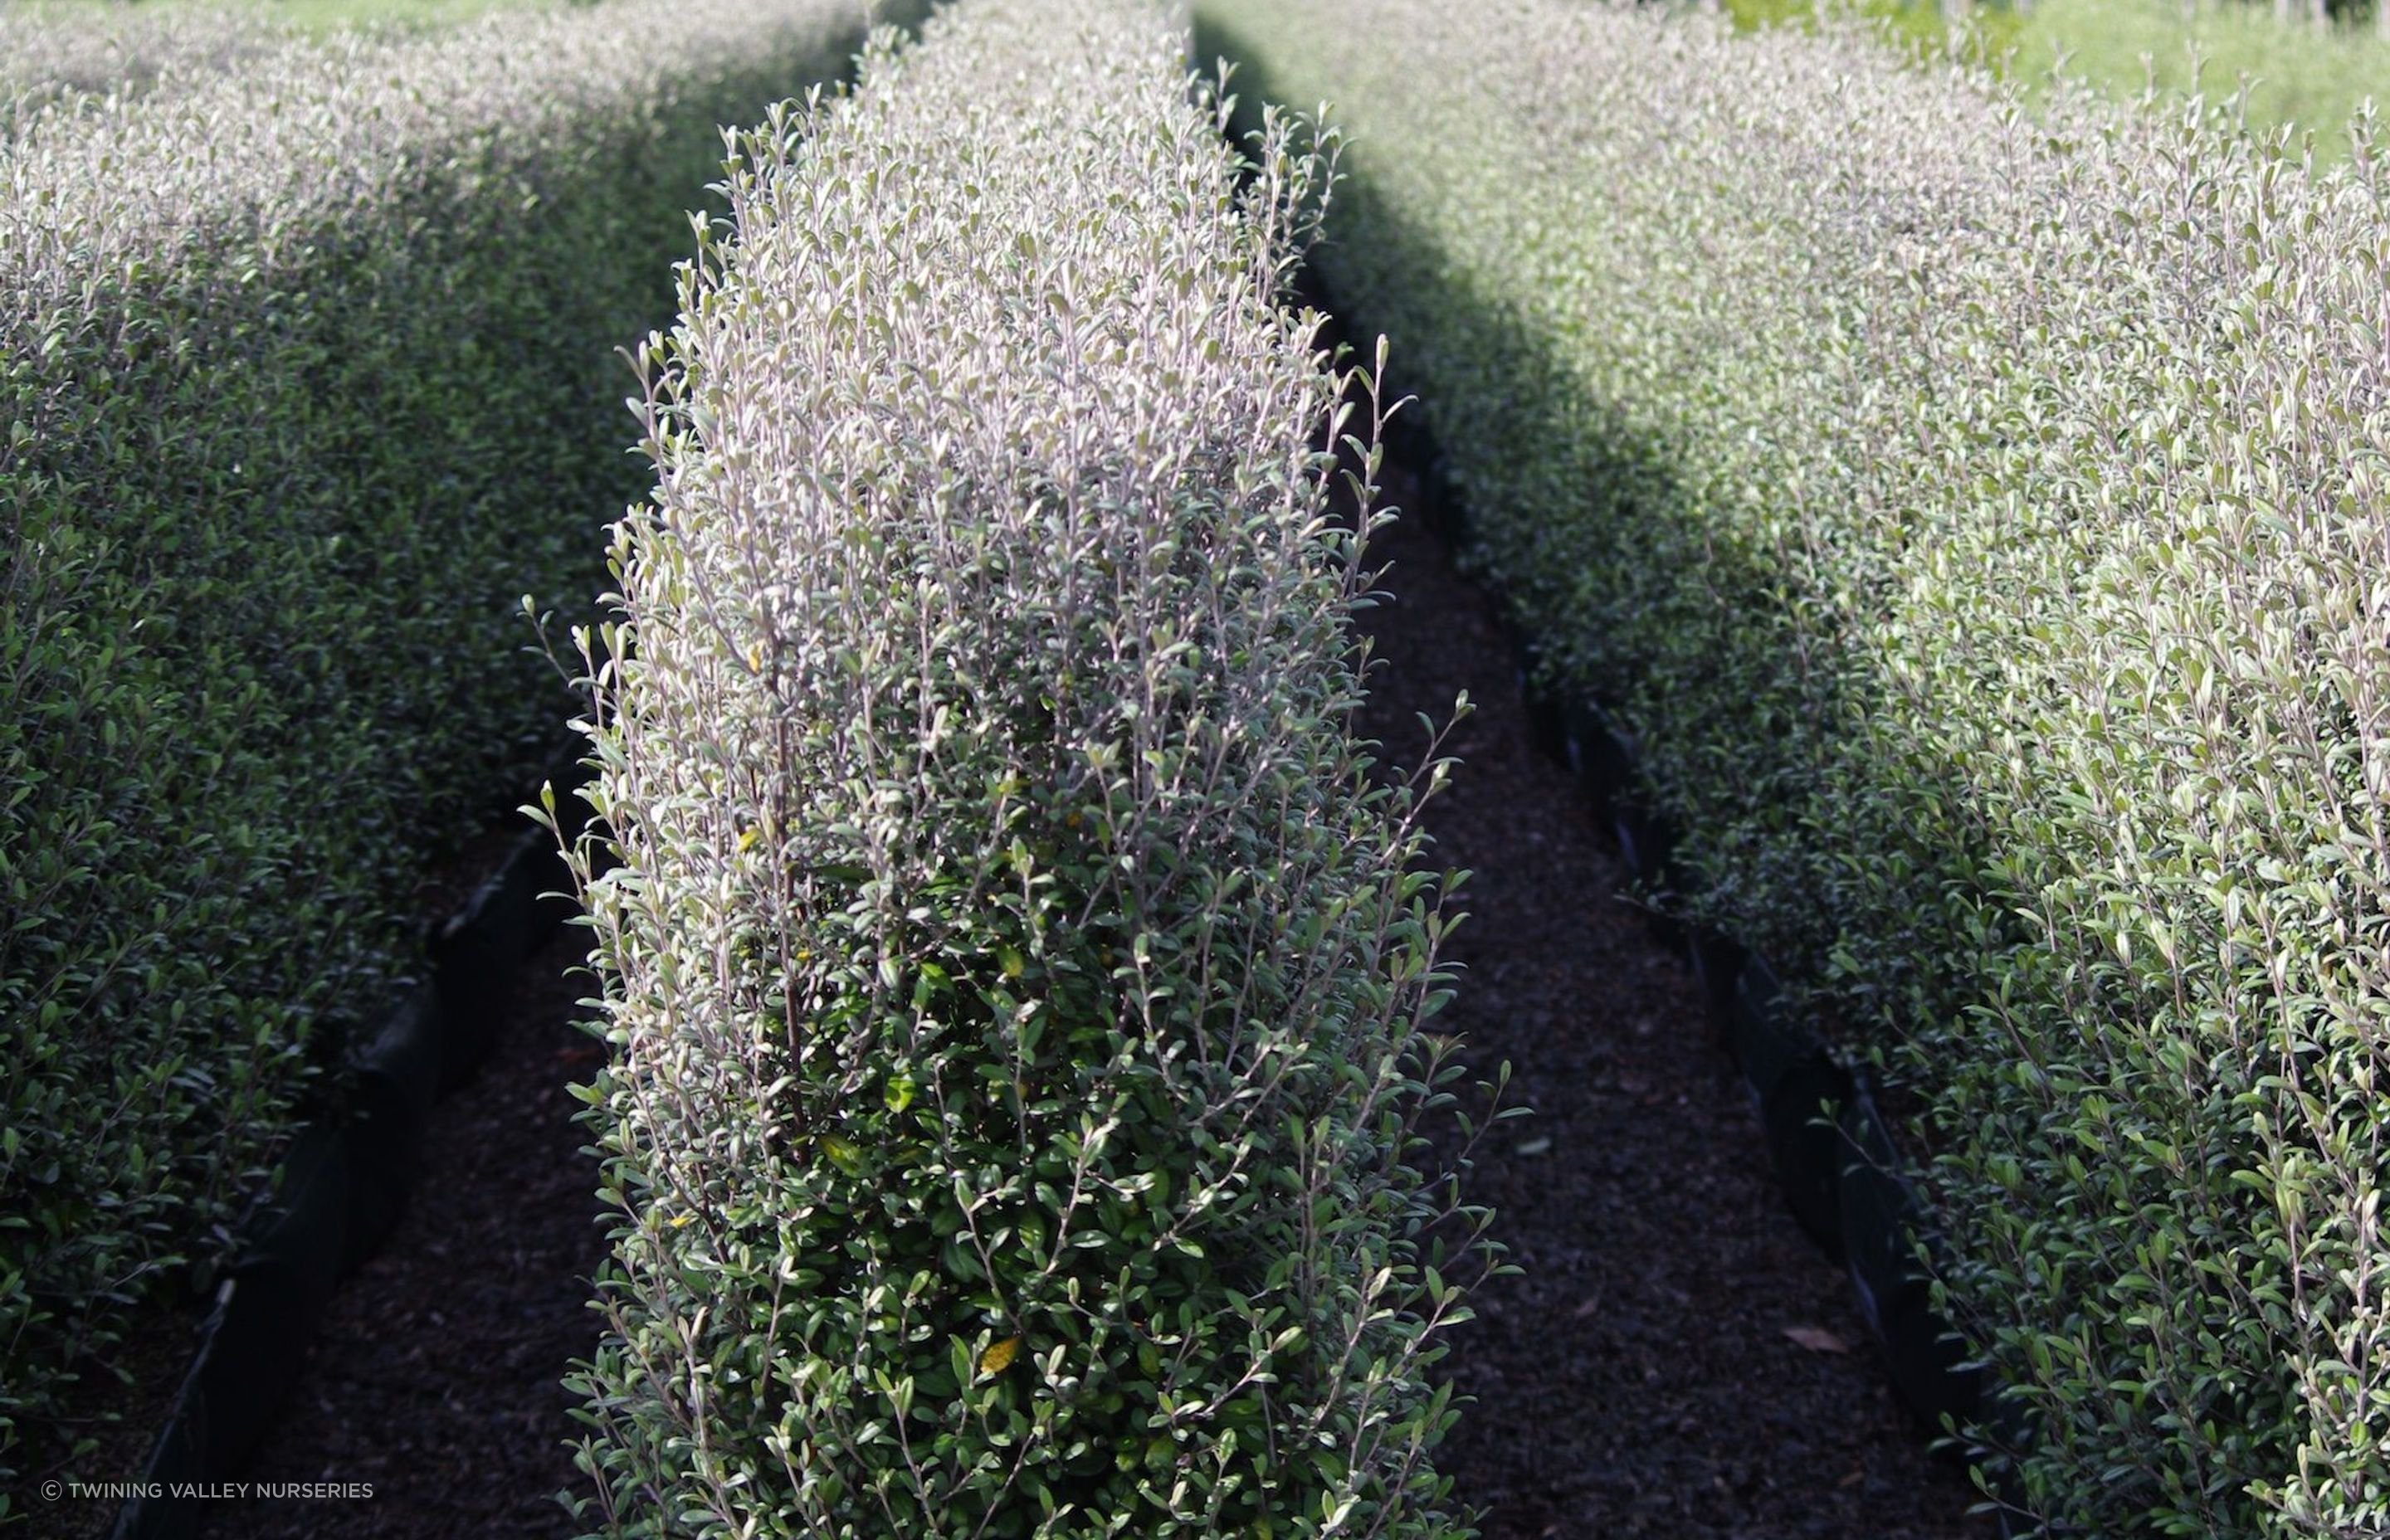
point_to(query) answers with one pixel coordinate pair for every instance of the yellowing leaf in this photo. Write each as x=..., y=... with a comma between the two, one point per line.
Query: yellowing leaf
x=999, y=1355
x=843, y=1155
x=1009, y=960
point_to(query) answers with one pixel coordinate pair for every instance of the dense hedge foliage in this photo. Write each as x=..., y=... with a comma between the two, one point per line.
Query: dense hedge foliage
x=1018, y=984
x=52, y=49
x=310, y=376
x=1980, y=518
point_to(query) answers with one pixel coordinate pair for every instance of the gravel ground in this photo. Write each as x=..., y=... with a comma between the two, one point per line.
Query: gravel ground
x=1642, y=1375
x=435, y=1373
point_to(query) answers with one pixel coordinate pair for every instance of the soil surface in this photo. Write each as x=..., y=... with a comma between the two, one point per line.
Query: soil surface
x=125, y=1394
x=1676, y=1357
x=118, y=1407
x=435, y=1373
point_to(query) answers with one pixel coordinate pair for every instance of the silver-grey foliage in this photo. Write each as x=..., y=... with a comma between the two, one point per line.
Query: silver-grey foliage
x=1018, y=984
x=52, y=51
x=1981, y=515
x=307, y=374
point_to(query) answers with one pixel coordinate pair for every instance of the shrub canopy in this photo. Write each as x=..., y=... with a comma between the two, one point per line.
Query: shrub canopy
x=1979, y=515
x=1017, y=981
x=307, y=377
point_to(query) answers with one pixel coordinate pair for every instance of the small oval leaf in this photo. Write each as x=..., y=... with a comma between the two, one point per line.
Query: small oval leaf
x=999, y=1355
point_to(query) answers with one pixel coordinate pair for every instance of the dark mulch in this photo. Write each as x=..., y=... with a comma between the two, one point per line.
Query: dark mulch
x=1638, y=1377
x=435, y=1373
x=119, y=1409
x=122, y=1402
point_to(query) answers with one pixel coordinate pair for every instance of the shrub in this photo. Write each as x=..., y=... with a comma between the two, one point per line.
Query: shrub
x=1978, y=515
x=309, y=378
x=1017, y=985
x=50, y=50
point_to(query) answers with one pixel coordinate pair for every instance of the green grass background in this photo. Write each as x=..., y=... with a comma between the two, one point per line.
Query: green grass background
x=2300, y=78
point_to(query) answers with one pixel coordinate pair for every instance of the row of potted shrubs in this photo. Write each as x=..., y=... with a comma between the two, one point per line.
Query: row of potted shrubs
x=1020, y=991
x=1976, y=515
x=309, y=376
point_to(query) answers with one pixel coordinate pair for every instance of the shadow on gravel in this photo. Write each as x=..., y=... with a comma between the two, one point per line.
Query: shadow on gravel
x=1678, y=1359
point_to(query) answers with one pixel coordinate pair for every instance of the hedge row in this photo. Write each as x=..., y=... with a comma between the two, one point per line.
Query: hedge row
x=1979, y=518
x=48, y=50
x=310, y=376
x=1018, y=986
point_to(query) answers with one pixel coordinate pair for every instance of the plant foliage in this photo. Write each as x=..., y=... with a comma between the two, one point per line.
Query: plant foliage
x=306, y=378
x=1979, y=514
x=1018, y=984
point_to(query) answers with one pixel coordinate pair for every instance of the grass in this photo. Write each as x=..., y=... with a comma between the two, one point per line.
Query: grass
x=1918, y=22
x=2299, y=78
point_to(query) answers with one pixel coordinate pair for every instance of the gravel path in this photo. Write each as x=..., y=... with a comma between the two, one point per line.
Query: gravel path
x=1641, y=1376
x=435, y=1374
